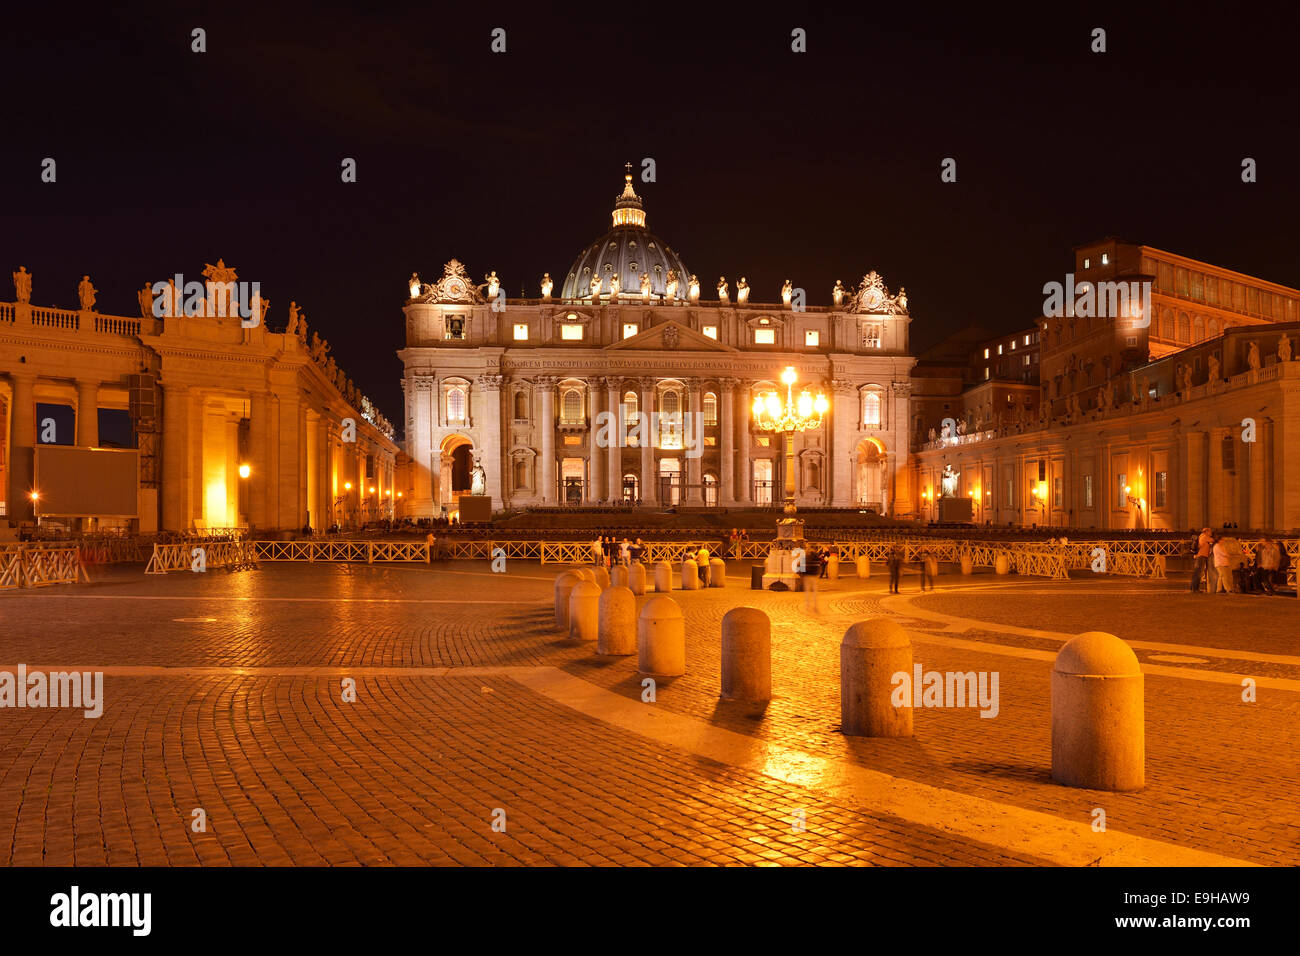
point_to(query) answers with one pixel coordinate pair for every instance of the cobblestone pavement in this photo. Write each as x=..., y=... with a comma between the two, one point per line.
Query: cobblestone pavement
x=288, y=773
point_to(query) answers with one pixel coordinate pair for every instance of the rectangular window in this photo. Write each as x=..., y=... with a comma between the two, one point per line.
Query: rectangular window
x=1087, y=263
x=573, y=439
x=811, y=337
x=765, y=336
x=1026, y=340
x=629, y=329
x=1121, y=496
x=1087, y=491
x=1105, y=259
x=986, y=373
x=710, y=330
x=1025, y=360
x=1011, y=493
x=986, y=353
x=1162, y=489
x=764, y=442
x=1058, y=492
x=455, y=328
x=999, y=350
x=521, y=333
x=1013, y=345
x=571, y=332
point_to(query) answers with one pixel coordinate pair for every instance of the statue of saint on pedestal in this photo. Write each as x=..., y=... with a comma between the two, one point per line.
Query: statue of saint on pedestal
x=86, y=293
x=1252, y=355
x=413, y=284
x=1284, y=348
x=723, y=296
x=742, y=290
x=22, y=285
x=949, y=482
x=547, y=285
x=477, y=479
x=1214, y=368
x=294, y=311
x=645, y=286
x=145, y=297
x=837, y=293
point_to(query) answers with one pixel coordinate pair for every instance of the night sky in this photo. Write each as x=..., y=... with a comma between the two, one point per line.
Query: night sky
x=771, y=164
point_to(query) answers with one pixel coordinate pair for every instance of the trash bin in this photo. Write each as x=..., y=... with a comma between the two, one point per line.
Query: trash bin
x=756, y=577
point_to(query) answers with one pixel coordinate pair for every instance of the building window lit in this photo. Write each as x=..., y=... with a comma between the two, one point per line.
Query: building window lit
x=710, y=408
x=455, y=328
x=630, y=329
x=871, y=409
x=1105, y=259
x=1058, y=492
x=1161, y=491
x=765, y=336
x=1011, y=493
x=986, y=373
x=1087, y=263
x=571, y=332
x=571, y=408
x=999, y=350
x=811, y=337
x=986, y=353
x=1026, y=340
x=456, y=405
x=711, y=331
x=629, y=408
x=1087, y=491
x=521, y=333
x=1013, y=345
x=1121, y=496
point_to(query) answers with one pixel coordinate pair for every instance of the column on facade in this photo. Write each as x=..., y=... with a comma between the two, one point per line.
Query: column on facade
x=260, y=479
x=305, y=464
x=597, y=483
x=324, y=503
x=87, y=414
x=288, y=514
x=1256, y=454
x=547, y=488
x=176, y=458
x=491, y=454
x=649, y=480
x=727, y=444
x=197, y=509
x=1216, y=494
x=614, y=452
x=419, y=446
x=694, y=460
x=742, y=485
x=22, y=446
x=842, y=451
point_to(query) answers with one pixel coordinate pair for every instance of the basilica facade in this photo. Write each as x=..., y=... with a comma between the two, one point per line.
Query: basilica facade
x=626, y=382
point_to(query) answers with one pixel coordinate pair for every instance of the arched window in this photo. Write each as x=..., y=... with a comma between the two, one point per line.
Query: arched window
x=521, y=405
x=871, y=409
x=456, y=405
x=670, y=420
x=710, y=408
x=571, y=410
x=670, y=403
x=630, y=405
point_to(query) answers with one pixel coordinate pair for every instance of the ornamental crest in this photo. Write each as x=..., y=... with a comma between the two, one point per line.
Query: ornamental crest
x=671, y=337
x=873, y=296
x=454, y=286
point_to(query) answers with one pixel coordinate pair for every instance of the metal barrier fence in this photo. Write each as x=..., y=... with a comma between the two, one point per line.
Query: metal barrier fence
x=25, y=566
x=214, y=554
x=231, y=554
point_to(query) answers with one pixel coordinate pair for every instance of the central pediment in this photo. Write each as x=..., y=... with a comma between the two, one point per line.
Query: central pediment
x=671, y=336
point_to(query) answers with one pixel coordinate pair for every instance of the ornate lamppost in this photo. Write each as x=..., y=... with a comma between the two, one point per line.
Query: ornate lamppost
x=770, y=415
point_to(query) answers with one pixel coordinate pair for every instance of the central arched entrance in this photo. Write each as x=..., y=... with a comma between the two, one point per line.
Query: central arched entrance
x=455, y=473
x=869, y=475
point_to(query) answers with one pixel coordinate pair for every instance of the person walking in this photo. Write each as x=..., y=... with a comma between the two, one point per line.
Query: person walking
x=1267, y=558
x=812, y=565
x=895, y=563
x=702, y=560
x=1222, y=566
x=1201, y=563
x=926, y=576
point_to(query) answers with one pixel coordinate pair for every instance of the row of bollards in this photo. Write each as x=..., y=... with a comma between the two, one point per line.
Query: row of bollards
x=1097, y=703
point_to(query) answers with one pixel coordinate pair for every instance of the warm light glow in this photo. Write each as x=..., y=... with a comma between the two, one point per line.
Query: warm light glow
x=372, y=490
x=821, y=405
x=774, y=404
x=788, y=376
x=35, y=496
x=244, y=471
x=347, y=486
x=399, y=494
x=805, y=404
x=1127, y=489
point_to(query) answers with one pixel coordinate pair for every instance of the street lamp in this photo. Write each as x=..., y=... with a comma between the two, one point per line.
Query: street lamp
x=770, y=415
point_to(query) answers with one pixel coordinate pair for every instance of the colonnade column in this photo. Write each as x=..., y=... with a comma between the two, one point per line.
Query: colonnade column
x=614, y=456
x=649, y=480
x=596, y=462
x=726, y=471
x=490, y=455
x=87, y=414
x=744, y=491
x=548, y=492
x=694, y=474
x=22, y=446
x=259, y=477
x=176, y=458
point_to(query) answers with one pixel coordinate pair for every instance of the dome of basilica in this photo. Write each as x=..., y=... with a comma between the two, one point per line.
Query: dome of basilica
x=627, y=251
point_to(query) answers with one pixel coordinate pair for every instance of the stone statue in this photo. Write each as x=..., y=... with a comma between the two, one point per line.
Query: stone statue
x=594, y=285
x=1252, y=355
x=173, y=299
x=22, y=285
x=414, y=284
x=331, y=369
x=1284, y=348
x=145, y=297
x=264, y=307
x=932, y=435
x=1214, y=368
x=318, y=348
x=902, y=298
x=477, y=479
x=613, y=287
x=742, y=291
x=1183, y=377
x=949, y=481
x=292, y=327
x=693, y=289
x=961, y=426
x=837, y=293
x=787, y=290
x=645, y=286
x=547, y=285
x=670, y=287
x=723, y=295
x=86, y=293
x=302, y=331
x=945, y=432
x=493, y=284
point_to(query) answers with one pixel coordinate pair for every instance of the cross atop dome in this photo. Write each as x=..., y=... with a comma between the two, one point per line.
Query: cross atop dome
x=628, y=210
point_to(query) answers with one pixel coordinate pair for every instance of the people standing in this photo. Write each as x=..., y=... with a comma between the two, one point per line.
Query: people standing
x=702, y=559
x=895, y=562
x=1222, y=565
x=1267, y=558
x=926, y=576
x=1201, y=563
x=812, y=565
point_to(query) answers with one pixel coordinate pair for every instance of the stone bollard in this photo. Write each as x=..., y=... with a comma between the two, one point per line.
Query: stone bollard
x=602, y=577
x=967, y=563
x=864, y=567
x=1002, y=563
x=690, y=575
x=871, y=653
x=618, y=576
x=588, y=574
x=1098, y=740
x=832, y=567
x=746, y=655
x=584, y=611
x=663, y=577
x=717, y=573
x=661, y=638
x=617, y=625
x=636, y=577
x=564, y=585
x=772, y=563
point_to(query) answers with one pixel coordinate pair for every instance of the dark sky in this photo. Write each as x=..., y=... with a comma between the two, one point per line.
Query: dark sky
x=814, y=166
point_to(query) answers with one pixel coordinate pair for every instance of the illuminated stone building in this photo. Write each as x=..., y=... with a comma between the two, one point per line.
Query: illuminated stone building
x=225, y=426
x=520, y=385
x=1175, y=414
